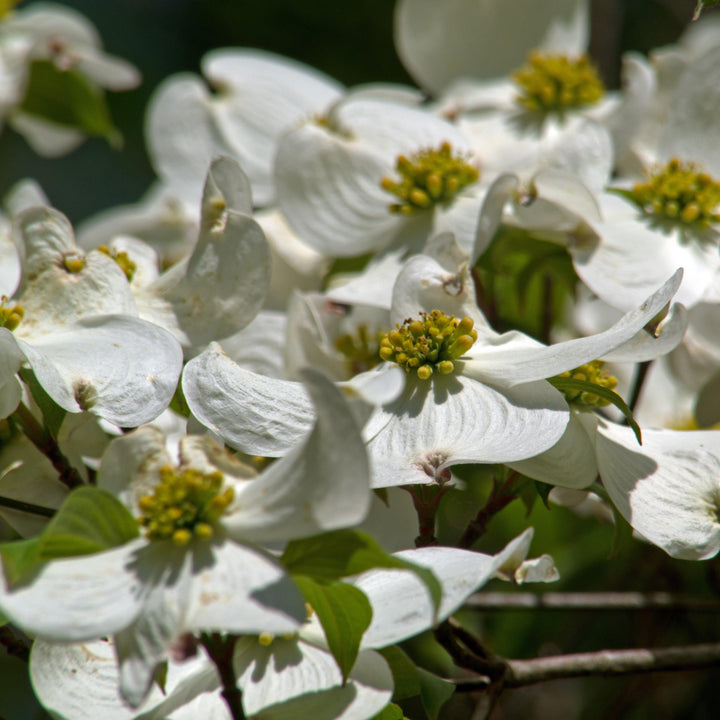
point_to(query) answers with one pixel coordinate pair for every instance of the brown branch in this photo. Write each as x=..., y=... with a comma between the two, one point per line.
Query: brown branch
x=610, y=601
x=499, y=498
x=221, y=650
x=426, y=500
x=603, y=663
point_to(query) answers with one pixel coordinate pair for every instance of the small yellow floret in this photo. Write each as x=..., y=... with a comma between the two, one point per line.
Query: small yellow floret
x=10, y=313
x=74, y=264
x=592, y=372
x=555, y=83
x=265, y=638
x=429, y=177
x=360, y=349
x=433, y=342
x=184, y=505
x=122, y=259
x=681, y=192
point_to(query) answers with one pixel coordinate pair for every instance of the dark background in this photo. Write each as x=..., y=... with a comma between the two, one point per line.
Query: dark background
x=350, y=41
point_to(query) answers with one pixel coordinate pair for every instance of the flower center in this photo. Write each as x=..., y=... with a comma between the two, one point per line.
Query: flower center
x=360, y=349
x=429, y=344
x=555, y=83
x=592, y=372
x=679, y=191
x=184, y=504
x=429, y=177
x=10, y=313
x=122, y=259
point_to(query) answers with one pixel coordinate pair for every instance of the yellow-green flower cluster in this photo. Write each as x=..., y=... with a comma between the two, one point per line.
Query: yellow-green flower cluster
x=429, y=344
x=10, y=313
x=680, y=191
x=592, y=372
x=122, y=259
x=360, y=349
x=184, y=505
x=554, y=83
x=429, y=177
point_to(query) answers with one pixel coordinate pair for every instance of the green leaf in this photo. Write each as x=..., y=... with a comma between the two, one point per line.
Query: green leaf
x=53, y=414
x=622, y=533
x=90, y=520
x=434, y=692
x=19, y=557
x=178, y=404
x=67, y=98
x=525, y=281
x=566, y=383
x=543, y=490
x=344, y=613
x=404, y=672
x=390, y=712
x=341, y=553
x=160, y=676
x=3, y=620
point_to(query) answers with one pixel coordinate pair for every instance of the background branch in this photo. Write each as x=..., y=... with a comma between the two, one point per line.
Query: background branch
x=623, y=601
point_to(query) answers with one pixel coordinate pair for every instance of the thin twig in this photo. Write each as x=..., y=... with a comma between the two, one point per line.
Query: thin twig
x=26, y=507
x=499, y=498
x=611, y=601
x=637, y=386
x=602, y=663
x=48, y=446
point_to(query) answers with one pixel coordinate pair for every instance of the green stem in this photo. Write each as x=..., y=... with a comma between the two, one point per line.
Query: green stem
x=638, y=383
x=47, y=445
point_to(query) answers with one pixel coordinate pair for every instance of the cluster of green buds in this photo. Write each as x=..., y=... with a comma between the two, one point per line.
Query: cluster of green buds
x=429, y=177
x=184, y=505
x=679, y=191
x=592, y=372
x=122, y=259
x=10, y=313
x=555, y=83
x=429, y=344
x=360, y=349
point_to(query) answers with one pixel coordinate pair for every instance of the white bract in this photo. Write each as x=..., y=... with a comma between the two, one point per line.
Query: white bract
x=153, y=589
x=258, y=96
x=78, y=329
x=441, y=42
x=373, y=170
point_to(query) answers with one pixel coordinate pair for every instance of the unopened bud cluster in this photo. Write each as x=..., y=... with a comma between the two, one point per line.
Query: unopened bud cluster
x=592, y=372
x=10, y=313
x=360, y=349
x=429, y=177
x=429, y=344
x=122, y=259
x=554, y=83
x=184, y=505
x=680, y=191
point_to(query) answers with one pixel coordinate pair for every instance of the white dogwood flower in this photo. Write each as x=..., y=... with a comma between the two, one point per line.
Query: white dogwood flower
x=198, y=565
